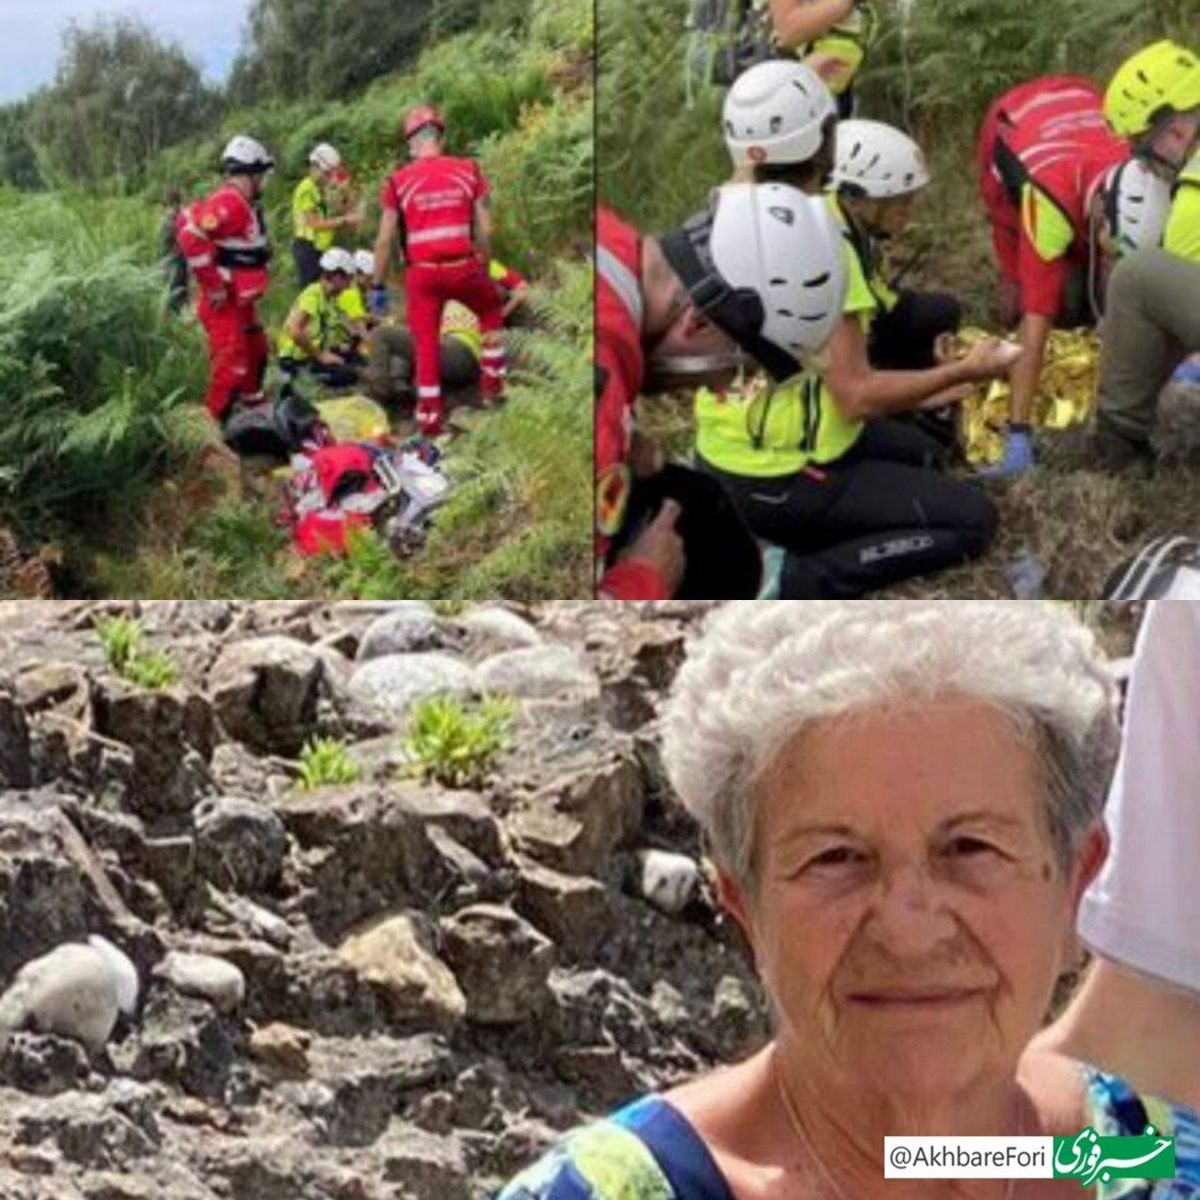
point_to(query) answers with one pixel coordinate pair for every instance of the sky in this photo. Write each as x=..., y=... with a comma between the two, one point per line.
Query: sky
x=30, y=34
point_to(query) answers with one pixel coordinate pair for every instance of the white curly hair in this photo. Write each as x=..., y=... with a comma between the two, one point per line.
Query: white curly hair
x=762, y=672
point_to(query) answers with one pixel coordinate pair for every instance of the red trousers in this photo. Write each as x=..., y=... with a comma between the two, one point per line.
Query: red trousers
x=429, y=287
x=237, y=352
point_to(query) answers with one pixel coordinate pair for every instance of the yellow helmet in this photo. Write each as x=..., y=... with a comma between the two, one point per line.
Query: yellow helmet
x=1158, y=81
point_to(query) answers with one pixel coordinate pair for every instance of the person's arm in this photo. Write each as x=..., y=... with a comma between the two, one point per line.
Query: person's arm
x=384, y=241
x=297, y=329
x=798, y=22
x=483, y=228
x=515, y=298
x=652, y=568
x=861, y=392
x=1026, y=372
x=197, y=239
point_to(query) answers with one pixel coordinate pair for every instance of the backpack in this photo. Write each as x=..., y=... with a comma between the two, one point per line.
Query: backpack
x=1167, y=568
x=274, y=429
x=724, y=38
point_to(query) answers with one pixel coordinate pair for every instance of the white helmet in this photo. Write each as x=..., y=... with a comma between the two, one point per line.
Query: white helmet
x=878, y=161
x=768, y=267
x=364, y=260
x=245, y=156
x=325, y=157
x=1138, y=205
x=776, y=112
x=338, y=259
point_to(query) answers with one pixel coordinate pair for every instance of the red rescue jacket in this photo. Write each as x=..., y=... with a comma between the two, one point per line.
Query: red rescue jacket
x=435, y=199
x=224, y=238
x=1051, y=133
x=620, y=367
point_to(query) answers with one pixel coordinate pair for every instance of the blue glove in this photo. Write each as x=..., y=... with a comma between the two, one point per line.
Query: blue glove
x=1018, y=456
x=380, y=301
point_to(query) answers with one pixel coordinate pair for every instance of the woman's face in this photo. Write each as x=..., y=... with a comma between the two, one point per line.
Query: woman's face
x=910, y=917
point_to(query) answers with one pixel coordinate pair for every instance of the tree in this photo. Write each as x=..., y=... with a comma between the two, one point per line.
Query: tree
x=120, y=96
x=18, y=158
x=325, y=49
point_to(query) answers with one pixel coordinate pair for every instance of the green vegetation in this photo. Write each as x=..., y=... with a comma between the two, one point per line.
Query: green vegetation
x=456, y=744
x=121, y=638
x=325, y=762
x=105, y=450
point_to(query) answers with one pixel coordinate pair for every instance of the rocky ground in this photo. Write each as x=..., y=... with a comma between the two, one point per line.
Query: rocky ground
x=432, y=982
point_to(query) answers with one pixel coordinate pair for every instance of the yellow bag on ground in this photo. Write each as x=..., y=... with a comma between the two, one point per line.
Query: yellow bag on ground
x=1066, y=395
x=354, y=418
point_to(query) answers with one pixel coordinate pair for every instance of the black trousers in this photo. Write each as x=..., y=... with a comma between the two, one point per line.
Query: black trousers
x=332, y=375
x=308, y=261
x=883, y=513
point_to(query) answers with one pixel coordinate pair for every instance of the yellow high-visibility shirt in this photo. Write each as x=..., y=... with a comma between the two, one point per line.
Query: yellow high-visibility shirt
x=1182, y=237
x=308, y=200
x=760, y=434
x=322, y=316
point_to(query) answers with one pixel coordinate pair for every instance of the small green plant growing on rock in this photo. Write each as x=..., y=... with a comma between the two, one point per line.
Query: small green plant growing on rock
x=325, y=762
x=459, y=745
x=121, y=638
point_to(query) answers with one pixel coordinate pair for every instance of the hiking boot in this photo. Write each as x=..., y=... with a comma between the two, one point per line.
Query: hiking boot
x=1114, y=453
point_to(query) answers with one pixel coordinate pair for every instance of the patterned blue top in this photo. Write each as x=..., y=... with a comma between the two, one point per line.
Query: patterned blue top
x=649, y=1151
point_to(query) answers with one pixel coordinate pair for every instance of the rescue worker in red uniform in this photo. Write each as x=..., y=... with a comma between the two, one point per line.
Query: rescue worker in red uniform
x=1062, y=195
x=224, y=238
x=437, y=205
x=669, y=317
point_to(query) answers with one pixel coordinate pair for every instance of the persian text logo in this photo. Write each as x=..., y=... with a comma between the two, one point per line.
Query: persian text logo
x=1089, y=1157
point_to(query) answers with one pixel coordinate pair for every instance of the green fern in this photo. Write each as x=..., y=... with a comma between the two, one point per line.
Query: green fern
x=121, y=639
x=325, y=762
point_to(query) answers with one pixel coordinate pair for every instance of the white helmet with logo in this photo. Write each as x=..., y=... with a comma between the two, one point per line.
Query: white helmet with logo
x=777, y=112
x=364, y=260
x=768, y=268
x=338, y=259
x=244, y=156
x=1138, y=205
x=325, y=157
x=877, y=161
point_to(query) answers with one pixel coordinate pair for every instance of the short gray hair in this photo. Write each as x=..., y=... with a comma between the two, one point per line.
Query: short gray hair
x=762, y=672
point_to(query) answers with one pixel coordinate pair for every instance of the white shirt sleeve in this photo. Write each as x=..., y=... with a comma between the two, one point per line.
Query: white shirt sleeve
x=1143, y=910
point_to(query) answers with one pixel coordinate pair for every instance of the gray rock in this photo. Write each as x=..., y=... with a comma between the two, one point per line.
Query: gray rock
x=112, y=1130
x=572, y=909
x=425, y=1164
x=171, y=734
x=43, y=1064
x=499, y=629
x=391, y=684
x=266, y=691
x=409, y=625
x=15, y=769
x=540, y=673
x=240, y=845
x=501, y=962
x=213, y=979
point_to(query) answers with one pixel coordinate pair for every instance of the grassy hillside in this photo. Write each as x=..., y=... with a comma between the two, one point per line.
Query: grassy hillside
x=105, y=451
x=934, y=77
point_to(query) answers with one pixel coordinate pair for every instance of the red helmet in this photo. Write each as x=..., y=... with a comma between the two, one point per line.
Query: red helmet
x=420, y=117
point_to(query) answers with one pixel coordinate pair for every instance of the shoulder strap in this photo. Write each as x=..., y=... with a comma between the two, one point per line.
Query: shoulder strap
x=678, y=1149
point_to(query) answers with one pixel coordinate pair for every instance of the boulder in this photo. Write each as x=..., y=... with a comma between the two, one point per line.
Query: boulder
x=398, y=955
x=43, y=1064
x=14, y=742
x=266, y=692
x=571, y=909
x=73, y=992
x=390, y=685
x=240, y=845
x=499, y=629
x=171, y=735
x=204, y=975
x=409, y=626
x=501, y=963
x=548, y=672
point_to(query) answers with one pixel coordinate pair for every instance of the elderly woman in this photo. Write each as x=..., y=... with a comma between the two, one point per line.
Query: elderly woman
x=904, y=803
